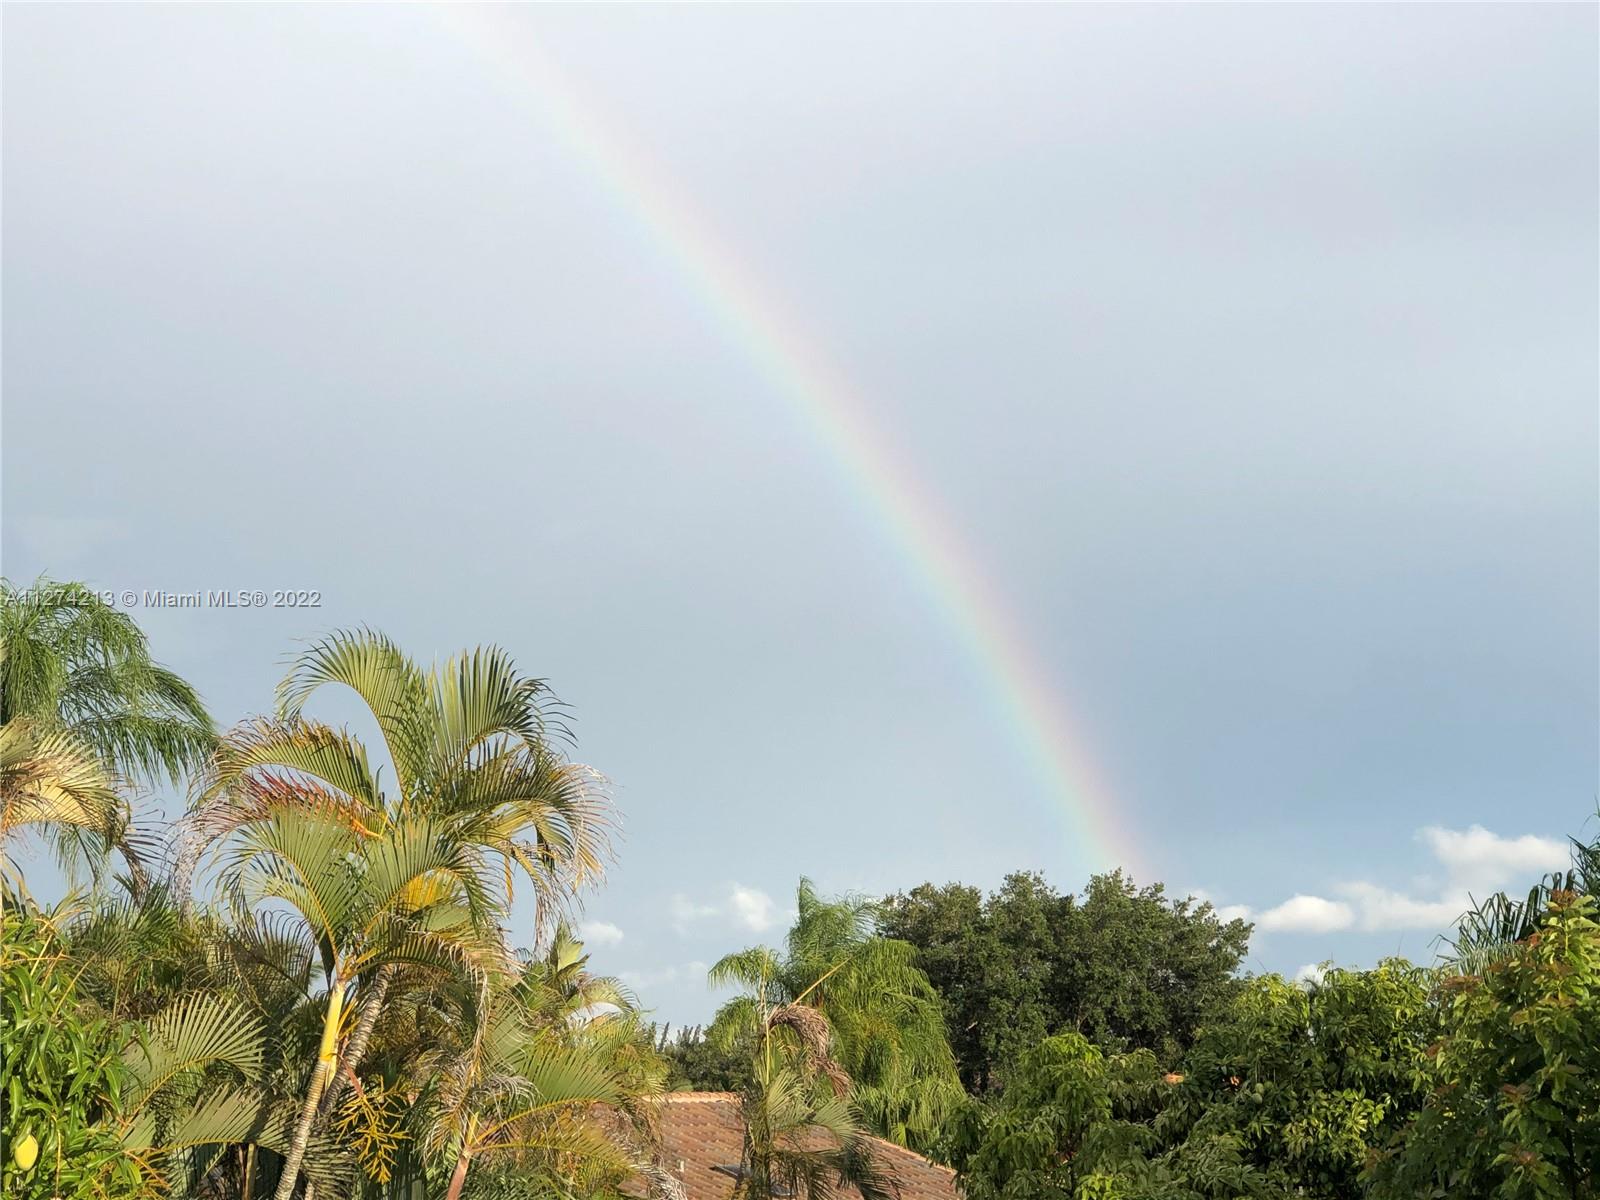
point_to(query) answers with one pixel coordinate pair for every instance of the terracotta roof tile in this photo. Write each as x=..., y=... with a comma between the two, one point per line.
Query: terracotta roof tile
x=701, y=1131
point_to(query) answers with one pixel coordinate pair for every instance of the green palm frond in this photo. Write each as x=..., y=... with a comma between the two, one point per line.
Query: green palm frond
x=418, y=865
x=503, y=797
x=849, y=1006
x=233, y=1116
x=1488, y=932
x=569, y=1075
x=478, y=695
x=459, y=953
x=388, y=683
x=757, y=968
x=808, y=1143
x=265, y=958
x=49, y=778
x=236, y=1114
x=259, y=756
x=69, y=661
x=197, y=1032
x=305, y=860
x=577, y=1139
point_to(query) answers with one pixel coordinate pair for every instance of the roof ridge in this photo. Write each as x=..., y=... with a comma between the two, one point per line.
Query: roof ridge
x=922, y=1158
x=733, y=1097
x=699, y=1096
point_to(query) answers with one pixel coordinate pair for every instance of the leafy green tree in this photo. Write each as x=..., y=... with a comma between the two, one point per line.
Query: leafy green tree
x=1287, y=1093
x=884, y=1024
x=1142, y=971
x=1513, y=1102
x=697, y=1063
x=1303, y=1084
x=1124, y=965
x=61, y=1079
x=126, y=1108
x=1065, y=1128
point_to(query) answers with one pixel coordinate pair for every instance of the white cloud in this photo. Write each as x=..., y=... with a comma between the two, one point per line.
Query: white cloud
x=1473, y=863
x=1223, y=912
x=1306, y=914
x=686, y=912
x=745, y=908
x=1312, y=973
x=1383, y=908
x=752, y=908
x=1478, y=859
x=599, y=933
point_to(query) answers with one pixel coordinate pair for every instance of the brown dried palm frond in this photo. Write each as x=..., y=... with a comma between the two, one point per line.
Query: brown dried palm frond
x=815, y=1036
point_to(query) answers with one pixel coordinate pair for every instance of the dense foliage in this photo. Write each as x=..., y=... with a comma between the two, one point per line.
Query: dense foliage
x=305, y=989
x=697, y=1063
x=308, y=987
x=884, y=1025
x=1513, y=1086
x=1304, y=1082
x=61, y=1078
x=1124, y=965
x=1393, y=1083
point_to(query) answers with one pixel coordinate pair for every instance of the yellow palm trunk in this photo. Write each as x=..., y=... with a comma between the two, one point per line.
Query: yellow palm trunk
x=327, y=1055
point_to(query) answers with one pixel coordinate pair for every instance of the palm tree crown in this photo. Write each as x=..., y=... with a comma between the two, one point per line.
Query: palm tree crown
x=881, y=1025
x=70, y=661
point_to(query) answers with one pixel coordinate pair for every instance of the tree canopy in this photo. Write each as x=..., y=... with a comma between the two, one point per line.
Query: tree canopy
x=1124, y=965
x=306, y=987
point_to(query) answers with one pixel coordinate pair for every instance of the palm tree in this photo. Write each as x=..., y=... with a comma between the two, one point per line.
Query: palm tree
x=803, y=1136
x=470, y=745
x=513, y=1089
x=561, y=987
x=51, y=783
x=70, y=661
x=470, y=742
x=802, y=1141
x=411, y=895
x=885, y=1026
x=194, y=1088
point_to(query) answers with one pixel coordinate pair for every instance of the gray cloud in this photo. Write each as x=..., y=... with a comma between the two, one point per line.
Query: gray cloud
x=1253, y=348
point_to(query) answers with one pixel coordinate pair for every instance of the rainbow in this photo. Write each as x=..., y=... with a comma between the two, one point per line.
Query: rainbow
x=1028, y=707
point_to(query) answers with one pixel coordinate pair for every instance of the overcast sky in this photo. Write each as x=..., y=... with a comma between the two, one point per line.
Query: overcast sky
x=1253, y=350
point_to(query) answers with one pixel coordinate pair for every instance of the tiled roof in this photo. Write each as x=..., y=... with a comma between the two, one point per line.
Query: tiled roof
x=701, y=1131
